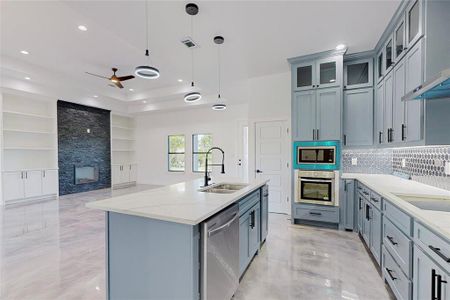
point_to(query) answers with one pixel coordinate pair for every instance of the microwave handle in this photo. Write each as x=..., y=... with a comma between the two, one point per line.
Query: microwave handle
x=316, y=180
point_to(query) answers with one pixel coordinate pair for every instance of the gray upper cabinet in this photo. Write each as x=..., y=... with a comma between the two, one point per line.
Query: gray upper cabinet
x=398, y=106
x=399, y=40
x=379, y=114
x=328, y=114
x=317, y=115
x=413, y=79
x=358, y=117
x=304, y=76
x=304, y=115
x=358, y=74
x=388, y=97
x=413, y=22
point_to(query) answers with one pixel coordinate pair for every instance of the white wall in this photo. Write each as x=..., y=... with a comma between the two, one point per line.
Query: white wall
x=270, y=100
x=151, y=140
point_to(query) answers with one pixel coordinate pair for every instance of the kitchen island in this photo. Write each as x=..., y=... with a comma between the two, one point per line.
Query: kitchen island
x=155, y=242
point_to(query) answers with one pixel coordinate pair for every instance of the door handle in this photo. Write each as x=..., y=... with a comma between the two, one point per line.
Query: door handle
x=258, y=171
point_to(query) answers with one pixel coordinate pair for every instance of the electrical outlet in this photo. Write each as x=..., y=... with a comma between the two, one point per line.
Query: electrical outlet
x=447, y=168
x=403, y=162
x=354, y=161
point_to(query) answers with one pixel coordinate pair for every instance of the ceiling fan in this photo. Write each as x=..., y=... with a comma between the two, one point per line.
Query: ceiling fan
x=114, y=79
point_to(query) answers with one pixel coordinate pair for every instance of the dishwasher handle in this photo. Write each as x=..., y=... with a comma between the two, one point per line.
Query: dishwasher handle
x=224, y=226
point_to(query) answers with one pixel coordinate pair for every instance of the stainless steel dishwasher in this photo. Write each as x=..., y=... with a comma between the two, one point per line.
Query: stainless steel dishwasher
x=220, y=255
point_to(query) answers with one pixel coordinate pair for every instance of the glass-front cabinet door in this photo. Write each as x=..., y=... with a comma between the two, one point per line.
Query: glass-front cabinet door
x=388, y=56
x=399, y=40
x=304, y=76
x=380, y=65
x=329, y=72
x=413, y=22
x=358, y=74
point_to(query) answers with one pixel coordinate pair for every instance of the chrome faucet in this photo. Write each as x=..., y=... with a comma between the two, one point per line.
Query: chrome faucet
x=207, y=178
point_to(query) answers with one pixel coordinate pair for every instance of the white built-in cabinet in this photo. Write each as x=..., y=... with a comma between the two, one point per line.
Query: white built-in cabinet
x=123, y=160
x=29, y=148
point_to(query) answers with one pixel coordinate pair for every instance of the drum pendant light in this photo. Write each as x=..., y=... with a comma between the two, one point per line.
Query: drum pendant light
x=192, y=10
x=147, y=72
x=218, y=40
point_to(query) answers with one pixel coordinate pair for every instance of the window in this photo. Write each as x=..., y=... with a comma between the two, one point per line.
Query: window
x=176, y=148
x=201, y=143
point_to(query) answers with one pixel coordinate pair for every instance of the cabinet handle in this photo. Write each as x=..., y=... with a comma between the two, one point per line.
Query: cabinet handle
x=315, y=213
x=374, y=199
x=314, y=134
x=360, y=203
x=367, y=212
x=433, y=284
x=345, y=139
x=317, y=86
x=26, y=175
x=252, y=219
x=403, y=132
x=439, y=286
x=43, y=174
x=380, y=134
x=314, y=86
x=439, y=253
x=391, y=239
x=366, y=193
x=317, y=134
x=390, y=274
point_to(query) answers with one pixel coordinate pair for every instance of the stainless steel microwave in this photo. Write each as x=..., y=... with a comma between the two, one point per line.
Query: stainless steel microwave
x=316, y=155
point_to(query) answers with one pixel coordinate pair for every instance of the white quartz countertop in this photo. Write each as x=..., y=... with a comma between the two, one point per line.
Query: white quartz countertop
x=388, y=185
x=180, y=203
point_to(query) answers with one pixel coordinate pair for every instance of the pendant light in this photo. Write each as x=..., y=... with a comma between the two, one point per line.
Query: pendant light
x=147, y=72
x=218, y=40
x=192, y=10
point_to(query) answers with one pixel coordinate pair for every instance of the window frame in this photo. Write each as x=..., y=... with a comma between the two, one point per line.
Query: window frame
x=169, y=153
x=196, y=152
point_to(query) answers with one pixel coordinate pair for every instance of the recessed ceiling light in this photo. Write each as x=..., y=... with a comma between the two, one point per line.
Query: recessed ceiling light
x=144, y=101
x=95, y=96
x=131, y=90
x=24, y=52
x=82, y=27
x=180, y=80
x=340, y=47
x=28, y=78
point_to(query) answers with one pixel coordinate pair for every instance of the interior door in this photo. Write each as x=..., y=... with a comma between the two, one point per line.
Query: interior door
x=33, y=184
x=271, y=162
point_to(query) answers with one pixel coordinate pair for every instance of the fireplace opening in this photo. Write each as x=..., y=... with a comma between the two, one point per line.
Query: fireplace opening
x=86, y=174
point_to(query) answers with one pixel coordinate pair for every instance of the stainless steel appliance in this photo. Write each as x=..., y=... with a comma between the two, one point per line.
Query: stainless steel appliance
x=317, y=187
x=220, y=255
x=317, y=155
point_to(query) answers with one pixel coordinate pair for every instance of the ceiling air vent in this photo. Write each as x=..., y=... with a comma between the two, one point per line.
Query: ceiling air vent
x=189, y=42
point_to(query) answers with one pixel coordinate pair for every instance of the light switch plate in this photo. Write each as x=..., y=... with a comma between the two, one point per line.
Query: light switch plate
x=403, y=162
x=354, y=161
x=447, y=168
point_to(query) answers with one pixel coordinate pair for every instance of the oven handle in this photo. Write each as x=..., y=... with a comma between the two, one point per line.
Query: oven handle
x=316, y=180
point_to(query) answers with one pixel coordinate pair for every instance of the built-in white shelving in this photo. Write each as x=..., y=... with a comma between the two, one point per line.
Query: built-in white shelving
x=29, y=148
x=123, y=160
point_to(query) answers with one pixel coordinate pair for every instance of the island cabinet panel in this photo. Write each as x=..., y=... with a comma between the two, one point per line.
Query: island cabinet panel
x=151, y=259
x=249, y=236
x=264, y=212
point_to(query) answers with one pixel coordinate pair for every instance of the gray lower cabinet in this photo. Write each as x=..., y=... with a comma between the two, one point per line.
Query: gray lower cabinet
x=317, y=114
x=375, y=233
x=358, y=117
x=360, y=215
x=366, y=222
x=430, y=280
x=249, y=236
x=264, y=213
x=347, y=205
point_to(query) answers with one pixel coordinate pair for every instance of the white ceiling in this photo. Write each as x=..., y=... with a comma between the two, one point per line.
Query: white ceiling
x=259, y=37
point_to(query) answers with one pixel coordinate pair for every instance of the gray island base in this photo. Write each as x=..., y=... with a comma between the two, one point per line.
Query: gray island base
x=154, y=238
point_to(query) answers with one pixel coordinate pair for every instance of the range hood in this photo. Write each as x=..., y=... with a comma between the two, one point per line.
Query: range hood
x=437, y=87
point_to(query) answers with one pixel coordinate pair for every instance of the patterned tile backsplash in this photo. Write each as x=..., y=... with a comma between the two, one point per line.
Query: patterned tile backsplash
x=423, y=164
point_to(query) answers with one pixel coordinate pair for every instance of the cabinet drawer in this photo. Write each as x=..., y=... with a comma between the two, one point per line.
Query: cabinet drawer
x=399, y=283
x=433, y=245
x=398, y=245
x=363, y=190
x=375, y=199
x=249, y=201
x=398, y=217
x=317, y=213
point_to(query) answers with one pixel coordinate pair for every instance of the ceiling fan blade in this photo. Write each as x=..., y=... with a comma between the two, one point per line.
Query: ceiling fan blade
x=100, y=76
x=123, y=78
x=118, y=84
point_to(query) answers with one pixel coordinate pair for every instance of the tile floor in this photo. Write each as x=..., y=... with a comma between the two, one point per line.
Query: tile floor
x=55, y=250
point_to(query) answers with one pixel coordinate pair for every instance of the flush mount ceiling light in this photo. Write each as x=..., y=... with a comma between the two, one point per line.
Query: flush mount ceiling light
x=192, y=10
x=82, y=27
x=340, y=47
x=24, y=52
x=147, y=72
x=218, y=40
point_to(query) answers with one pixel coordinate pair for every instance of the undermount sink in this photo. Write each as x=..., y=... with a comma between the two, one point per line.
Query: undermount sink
x=427, y=202
x=223, y=188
